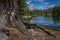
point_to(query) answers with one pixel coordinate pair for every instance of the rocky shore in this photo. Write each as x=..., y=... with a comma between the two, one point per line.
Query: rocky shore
x=38, y=34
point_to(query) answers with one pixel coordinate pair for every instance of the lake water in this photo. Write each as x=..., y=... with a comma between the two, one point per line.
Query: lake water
x=45, y=21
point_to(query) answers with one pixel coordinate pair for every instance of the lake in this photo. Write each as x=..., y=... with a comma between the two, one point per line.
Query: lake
x=45, y=21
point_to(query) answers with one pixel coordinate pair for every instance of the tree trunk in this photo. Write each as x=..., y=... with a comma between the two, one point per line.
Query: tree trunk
x=9, y=16
x=8, y=10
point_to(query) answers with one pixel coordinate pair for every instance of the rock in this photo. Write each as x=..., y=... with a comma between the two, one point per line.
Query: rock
x=3, y=36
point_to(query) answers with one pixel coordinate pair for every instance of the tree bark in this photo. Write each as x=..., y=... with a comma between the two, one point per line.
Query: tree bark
x=9, y=16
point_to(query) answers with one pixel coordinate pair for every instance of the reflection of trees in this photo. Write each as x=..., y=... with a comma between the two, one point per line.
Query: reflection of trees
x=56, y=14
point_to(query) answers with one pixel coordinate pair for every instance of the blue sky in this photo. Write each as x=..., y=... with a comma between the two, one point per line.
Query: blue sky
x=42, y=4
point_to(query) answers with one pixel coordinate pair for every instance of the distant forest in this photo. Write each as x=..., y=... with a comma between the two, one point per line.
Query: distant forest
x=55, y=11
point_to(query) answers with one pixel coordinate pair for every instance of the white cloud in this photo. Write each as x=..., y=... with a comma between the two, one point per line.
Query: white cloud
x=31, y=6
x=52, y=5
x=40, y=7
x=46, y=3
x=39, y=0
x=28, y=2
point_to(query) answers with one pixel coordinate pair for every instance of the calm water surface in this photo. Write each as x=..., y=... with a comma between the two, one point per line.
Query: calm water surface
x=45, y=21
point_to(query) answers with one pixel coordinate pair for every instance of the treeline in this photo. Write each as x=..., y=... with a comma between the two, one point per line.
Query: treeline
x=55, y=11
x=47, y=12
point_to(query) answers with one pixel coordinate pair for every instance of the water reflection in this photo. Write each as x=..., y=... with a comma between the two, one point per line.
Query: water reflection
x=56, y=19
x=46, y=21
